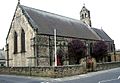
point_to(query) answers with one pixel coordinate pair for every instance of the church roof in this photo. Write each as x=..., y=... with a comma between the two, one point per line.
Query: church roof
x=46, y=22
x=102, y=34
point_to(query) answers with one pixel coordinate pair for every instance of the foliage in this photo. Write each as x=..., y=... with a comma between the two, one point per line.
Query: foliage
x=76, y=49
x=99, y=50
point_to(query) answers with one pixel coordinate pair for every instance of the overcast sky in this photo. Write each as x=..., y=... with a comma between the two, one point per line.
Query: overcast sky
x=104, y=13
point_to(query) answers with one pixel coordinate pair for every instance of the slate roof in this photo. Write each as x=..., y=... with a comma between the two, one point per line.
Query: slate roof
x=102, y=34
x=46, y=22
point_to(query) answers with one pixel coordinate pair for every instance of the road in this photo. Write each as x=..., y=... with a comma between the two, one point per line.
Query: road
x=18, y=79
x=107, y=76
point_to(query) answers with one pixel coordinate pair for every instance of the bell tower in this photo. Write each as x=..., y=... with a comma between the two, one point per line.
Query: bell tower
x=85, y=16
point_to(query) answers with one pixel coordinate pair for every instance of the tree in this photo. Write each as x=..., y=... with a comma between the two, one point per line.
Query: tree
x=100, y=50
x=77, y=50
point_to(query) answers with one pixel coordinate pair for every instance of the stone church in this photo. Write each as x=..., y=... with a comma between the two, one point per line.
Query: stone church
x=30, y=40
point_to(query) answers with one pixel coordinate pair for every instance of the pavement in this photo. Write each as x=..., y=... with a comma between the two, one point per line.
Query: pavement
x=106, y=76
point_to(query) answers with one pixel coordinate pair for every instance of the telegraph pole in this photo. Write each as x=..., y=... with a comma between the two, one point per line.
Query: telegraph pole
x=55, y=47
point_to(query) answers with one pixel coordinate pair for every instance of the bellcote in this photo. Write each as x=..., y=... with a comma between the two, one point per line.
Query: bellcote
x=85, y=16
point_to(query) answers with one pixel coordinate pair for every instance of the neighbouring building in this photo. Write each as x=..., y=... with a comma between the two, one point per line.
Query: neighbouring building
x=2, y=58
x=30, y=40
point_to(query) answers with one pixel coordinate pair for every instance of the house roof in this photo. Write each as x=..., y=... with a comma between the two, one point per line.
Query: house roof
x=102, y=34
x=46, y=22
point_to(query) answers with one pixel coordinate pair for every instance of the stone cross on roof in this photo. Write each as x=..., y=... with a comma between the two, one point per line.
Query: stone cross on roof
x=83, y=4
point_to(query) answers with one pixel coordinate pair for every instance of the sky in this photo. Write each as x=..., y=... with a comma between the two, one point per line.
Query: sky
x=105, y=14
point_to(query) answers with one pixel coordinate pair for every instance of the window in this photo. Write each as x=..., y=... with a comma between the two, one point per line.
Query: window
x=111, y=48
x=23, y=41
x=15, y=43
x=85, y=15
x=91, y=48
x=82, y=16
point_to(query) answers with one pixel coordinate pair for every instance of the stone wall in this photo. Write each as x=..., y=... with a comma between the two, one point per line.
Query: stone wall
x=59, y=71
x=115, y=57
x=55, y=72
x=107, y=65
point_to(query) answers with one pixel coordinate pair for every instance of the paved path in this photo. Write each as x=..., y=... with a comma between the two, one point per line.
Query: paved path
x=107, y=76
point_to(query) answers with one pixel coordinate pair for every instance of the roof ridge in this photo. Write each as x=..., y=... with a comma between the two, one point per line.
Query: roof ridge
x=69, y=18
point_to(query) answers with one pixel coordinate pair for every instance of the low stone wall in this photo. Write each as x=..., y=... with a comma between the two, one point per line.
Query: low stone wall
x=115, y=57
x=107, y=65
x=55, y=72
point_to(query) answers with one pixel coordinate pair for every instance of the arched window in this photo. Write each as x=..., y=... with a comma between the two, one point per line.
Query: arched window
x=91, y=48
x=85, y=15
x=23, y=41
x=82, y=16
x=15, y=43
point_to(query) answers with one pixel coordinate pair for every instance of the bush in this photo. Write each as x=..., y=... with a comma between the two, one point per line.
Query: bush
x=100, y=50
x=76, y=49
